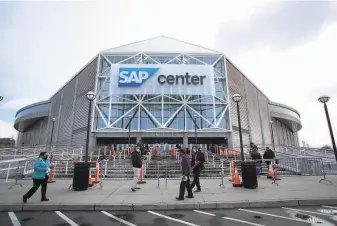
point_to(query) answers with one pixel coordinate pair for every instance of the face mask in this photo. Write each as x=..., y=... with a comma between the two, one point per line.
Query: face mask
x=137, y=150
x=194, y=150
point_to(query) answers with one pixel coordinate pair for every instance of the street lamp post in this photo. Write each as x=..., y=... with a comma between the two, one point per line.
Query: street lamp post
x=52, y=132
x=237, y=98
x=324, y=99
x=90, y=96
x=272, y=133
x=130, y=120
x=195, y=129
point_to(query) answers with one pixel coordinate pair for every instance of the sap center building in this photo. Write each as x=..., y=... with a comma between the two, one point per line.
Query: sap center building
x=164, y=88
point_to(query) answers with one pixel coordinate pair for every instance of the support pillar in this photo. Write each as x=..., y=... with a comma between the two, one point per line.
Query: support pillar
x=185, y=141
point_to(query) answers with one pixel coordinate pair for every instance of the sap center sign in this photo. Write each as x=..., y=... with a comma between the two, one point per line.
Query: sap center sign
x=162, y=79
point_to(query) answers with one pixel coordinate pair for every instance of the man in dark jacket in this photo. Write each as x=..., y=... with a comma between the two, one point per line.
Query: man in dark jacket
x=197, y=164
x=136, y=165
x=268, y=154
x=256, y=156
x=185, y=178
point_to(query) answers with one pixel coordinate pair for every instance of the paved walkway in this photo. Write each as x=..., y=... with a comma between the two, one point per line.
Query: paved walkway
x=116, y=195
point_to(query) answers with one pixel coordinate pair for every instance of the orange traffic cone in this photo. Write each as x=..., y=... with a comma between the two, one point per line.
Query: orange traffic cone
x=236, y=179
x=270, y=172
x=90, y=180
x=141, y=177
x=96, y=172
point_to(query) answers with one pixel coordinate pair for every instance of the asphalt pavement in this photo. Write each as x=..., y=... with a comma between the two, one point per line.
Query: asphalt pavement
x=314, y=215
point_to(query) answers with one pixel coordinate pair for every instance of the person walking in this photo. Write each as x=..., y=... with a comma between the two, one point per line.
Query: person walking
x=197, y=164
x=40, y=177
x=185, y=178
x=268, y=154
x=256, y=156
x=136, y=165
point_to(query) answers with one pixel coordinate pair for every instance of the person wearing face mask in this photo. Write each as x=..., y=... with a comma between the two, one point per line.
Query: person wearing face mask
x=136, y=165
x=197, y=164
x=40, y=177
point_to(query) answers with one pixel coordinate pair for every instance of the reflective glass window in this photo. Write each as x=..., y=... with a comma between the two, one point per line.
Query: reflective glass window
x=117, y=59
x=146, y=121
x=179, y=120
x=35, y=109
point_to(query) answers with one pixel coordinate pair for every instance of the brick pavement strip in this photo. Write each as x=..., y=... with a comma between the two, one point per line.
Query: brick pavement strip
x=116, y=195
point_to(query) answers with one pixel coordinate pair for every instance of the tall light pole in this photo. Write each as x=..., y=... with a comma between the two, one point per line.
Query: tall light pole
x=52, y=132
x=90, y=96
x=130, y=120
x=324, y=99
x=272, y=133
x=237, y=98
x=195, y=130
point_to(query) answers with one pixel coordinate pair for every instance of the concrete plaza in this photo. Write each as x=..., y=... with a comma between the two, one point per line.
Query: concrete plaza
x=116, y=195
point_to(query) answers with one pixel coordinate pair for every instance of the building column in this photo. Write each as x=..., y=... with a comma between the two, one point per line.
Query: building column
x=230, y=140
x=185, y=141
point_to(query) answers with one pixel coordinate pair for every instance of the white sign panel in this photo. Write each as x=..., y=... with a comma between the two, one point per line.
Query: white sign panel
x=162, y=79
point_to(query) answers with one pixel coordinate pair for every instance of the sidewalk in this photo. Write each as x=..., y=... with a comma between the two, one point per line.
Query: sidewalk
x=116, y=195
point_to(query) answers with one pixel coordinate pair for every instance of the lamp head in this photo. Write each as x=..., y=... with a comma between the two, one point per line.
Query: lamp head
x=323, y=99
x=54, y=119
x=91, y=96
x=237, y=98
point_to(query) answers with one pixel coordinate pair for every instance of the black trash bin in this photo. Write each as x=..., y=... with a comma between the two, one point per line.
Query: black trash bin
x=249, y=178
x=81, y=176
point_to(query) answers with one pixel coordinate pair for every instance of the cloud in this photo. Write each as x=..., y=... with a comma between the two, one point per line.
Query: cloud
x=329, y=89
x=17, y=103
x=7, y=130
x=276, y=26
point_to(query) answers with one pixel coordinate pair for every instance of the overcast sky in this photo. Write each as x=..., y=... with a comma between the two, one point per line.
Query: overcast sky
x=288, y=49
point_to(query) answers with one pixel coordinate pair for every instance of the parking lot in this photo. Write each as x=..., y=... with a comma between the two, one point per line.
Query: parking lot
x=321, y=215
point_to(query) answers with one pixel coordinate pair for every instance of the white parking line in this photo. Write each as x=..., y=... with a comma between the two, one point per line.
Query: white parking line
x=305, y=211
x=272, y=215
x=245, y=222
x=14, y=219
x=210, y=214
x=173, y=219
x=118, y=219
x=67, y=219
x=331, y=207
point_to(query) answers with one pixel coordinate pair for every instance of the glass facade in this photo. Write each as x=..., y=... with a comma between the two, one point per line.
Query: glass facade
x=172, y=112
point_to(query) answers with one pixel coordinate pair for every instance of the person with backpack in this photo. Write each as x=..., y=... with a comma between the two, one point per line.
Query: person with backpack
x=197, y=164
x=268, y=154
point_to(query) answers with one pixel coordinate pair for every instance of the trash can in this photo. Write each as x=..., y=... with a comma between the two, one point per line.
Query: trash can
x=81, y=176
x=249, y=178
